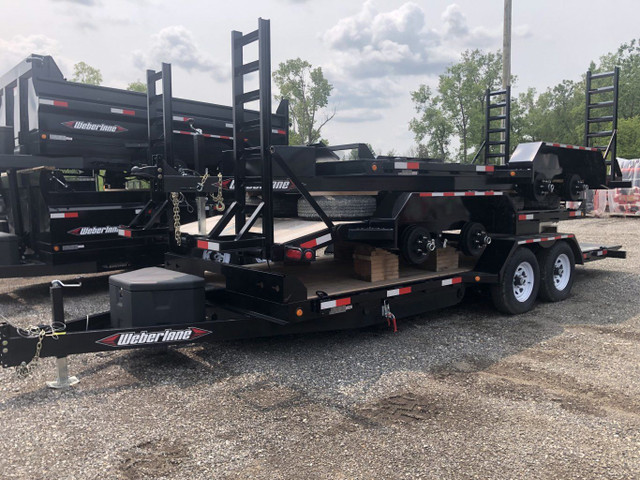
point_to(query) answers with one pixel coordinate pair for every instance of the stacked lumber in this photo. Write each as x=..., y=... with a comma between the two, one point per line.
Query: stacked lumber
x=375, y=264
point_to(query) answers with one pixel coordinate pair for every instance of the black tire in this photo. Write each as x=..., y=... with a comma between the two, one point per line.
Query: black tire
x=285, y=206
x=556, y=263
x=472, y=237
x=504, y=294
x=413, y=244
x=342, y=207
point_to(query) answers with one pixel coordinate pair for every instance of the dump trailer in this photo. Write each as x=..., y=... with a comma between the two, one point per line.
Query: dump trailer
x=67, y=150
x=436, y=230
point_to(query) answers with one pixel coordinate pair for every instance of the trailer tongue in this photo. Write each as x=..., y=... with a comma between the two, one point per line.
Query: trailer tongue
x=437, y=228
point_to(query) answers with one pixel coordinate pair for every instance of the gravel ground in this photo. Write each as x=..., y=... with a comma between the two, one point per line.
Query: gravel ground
x=460, y=393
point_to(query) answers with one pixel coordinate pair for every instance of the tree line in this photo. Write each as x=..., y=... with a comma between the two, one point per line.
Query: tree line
x=450, y=120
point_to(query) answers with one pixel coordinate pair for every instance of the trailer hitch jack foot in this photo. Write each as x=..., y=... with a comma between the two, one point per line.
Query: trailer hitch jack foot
x=64, y=380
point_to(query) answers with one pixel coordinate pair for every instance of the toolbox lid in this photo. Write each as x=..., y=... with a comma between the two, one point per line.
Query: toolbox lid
x=156, y=279
x=8, y=238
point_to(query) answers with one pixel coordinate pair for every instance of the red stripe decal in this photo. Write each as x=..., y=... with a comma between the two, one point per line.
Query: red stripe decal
x=529, y=240
x=489, y=193
x=522, y=217
x=426, y=194
x=405, y=290
x=343, y=301
x=456, y=280
x=60, y=103
x=490, y=168
x=309, y=244
x=469, y=194
x=202, y=244
x=129, y=112
x=127, y=233
x=71, y=215
x=413, y=165
x=449, y=194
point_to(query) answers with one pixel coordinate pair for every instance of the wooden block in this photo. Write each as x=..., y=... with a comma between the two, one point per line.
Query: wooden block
x=442, y=259
x=375, y=264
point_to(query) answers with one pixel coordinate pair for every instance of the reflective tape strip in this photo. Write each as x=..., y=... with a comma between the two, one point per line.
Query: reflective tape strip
x=544, y=239
x=489, y=193
x=451, y=281
x=55, y=103
x=60, y=138
x=123, y=111
x=317, y=241
x=406, y=165
x=577, y=213
x=204, y=245
x=64, y=215
x=529, y=216
x=485, y=168
x=278, y=131
x=398, y=291
x=178, y=118
x=573, y=147
x=341, y=302
x=124, y=233
x=601, y=253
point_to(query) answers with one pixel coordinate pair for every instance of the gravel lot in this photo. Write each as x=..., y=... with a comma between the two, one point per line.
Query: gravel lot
x=460, y=393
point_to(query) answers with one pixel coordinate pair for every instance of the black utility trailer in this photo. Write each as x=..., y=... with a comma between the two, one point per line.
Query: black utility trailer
x=67, y=151
x=248, y=274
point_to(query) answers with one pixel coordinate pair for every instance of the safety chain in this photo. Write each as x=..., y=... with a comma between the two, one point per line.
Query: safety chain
x=25, y=369
x=218, y=198
x=176, y=217
x=389, y=317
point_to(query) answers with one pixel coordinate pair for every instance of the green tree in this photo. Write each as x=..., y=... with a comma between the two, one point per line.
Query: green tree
x=85, y=73
x=628, y=138
x=458, y=106
x=137, y=86
x=308, y=93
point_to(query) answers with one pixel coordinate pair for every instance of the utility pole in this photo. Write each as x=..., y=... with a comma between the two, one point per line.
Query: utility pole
x=506, y=66
x=506, y=46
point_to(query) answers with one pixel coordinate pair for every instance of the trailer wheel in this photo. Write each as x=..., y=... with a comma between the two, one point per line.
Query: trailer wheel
x=572, y=187
x=557, y=269
x=340, y=207
x=416, y=244
x=473, y=239
x=518, y=289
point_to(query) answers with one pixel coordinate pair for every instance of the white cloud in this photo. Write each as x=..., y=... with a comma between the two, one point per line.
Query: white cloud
x=177, y=45
x=20, y=47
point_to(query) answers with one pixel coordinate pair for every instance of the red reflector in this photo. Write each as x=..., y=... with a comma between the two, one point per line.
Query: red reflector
x=308, y=255
x=129, y=112
x=127, y=233
x=293, y=253
x=71, y=215
x=60, y=103
x=343, y=301
x=202, y=244
x=604, y=252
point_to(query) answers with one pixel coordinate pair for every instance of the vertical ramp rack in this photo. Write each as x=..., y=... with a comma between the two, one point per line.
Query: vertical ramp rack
x=242, y=153
x=497, y=137
x=602, y=110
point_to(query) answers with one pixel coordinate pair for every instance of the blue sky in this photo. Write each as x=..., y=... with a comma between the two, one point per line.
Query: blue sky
x=374, y=52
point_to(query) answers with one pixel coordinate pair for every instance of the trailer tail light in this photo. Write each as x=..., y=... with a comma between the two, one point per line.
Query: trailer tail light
x=309, y=255
x=299, y=312
x=293, y=253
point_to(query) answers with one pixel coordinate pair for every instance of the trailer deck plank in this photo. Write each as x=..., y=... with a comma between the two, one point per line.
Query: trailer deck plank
x=338, y=278
x=286, y=229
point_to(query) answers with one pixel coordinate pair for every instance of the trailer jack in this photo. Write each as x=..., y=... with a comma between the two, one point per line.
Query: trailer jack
x=57, y=327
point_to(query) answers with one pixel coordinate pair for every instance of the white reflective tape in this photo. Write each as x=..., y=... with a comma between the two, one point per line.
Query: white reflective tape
x=60, y=138
x=44, y=101
x=329, y=304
